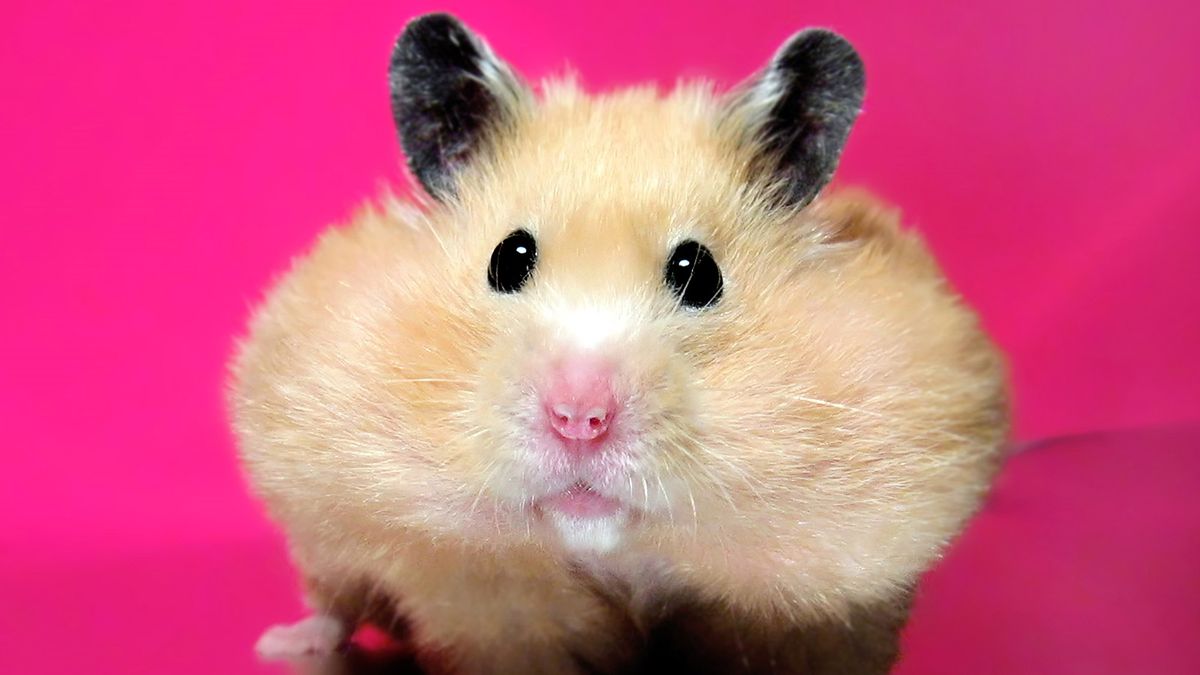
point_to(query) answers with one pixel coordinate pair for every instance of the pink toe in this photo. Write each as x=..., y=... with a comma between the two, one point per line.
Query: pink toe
x=314, y=635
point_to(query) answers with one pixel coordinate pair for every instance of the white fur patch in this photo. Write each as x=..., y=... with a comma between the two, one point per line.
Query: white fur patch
x=590, y=535
x=586, y=327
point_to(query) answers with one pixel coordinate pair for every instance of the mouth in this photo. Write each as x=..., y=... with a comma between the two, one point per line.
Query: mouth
x=580, y=501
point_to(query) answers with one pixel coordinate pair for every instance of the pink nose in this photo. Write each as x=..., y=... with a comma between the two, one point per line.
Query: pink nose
x=578, y=398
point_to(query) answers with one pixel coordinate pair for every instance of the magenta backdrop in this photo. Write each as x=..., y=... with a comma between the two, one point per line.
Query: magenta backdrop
x=162, y=161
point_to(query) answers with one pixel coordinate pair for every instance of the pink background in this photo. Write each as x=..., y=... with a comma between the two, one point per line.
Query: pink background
x=162, y=161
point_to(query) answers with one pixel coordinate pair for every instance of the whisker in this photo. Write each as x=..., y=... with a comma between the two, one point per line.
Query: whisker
x=489, y=470
x=433, y=231
x=666, y=498
x=426, y=379
x=695, y=515
x=785, y=392
x=716, y=482
x=746, y=478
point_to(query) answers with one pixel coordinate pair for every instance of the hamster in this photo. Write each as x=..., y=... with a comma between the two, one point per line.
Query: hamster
x=626, y=390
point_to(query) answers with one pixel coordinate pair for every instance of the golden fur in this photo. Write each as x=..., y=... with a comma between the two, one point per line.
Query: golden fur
x=810, y=444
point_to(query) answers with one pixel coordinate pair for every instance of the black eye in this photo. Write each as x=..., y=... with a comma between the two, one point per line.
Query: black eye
x=693, y=275
x=512, y=262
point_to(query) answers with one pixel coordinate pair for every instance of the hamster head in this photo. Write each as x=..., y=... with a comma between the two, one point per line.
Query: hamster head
x=623, y=323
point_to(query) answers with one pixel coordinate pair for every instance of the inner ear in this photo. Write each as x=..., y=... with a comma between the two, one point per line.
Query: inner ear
x=797, y=113
x=449, y=94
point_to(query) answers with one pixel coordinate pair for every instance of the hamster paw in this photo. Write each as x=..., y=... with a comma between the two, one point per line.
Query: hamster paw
x=317, y=635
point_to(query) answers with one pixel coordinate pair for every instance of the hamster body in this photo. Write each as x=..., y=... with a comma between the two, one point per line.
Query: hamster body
x=625, y=392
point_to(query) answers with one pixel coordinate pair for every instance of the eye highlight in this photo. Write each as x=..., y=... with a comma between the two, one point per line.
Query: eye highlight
x=512, y=262
x=693, y=275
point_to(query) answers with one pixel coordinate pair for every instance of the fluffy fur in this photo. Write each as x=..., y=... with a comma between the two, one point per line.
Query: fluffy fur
x=801, y=452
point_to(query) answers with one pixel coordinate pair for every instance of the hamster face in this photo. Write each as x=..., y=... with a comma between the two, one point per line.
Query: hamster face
x=613, y=337
x=598, y=329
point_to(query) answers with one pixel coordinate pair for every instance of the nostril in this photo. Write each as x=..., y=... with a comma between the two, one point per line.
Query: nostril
x=561, y=413
x=573, y=424
x=578, y=399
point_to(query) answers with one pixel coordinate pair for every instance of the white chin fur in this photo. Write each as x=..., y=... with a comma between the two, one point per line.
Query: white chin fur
x=589, y=535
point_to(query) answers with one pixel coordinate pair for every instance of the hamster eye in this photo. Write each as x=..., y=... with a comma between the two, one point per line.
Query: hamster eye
x=693, y=275
x=512, y=262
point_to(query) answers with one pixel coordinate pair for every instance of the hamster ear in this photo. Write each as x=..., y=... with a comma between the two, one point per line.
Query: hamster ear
x=449, y=92
x=797, y=113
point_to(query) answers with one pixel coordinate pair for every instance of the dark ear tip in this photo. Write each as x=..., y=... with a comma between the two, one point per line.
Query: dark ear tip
x=431, y=34
x=814, y=88
x=814, y=41
x=822, y=50
x=448, y=92
x=440, y=23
